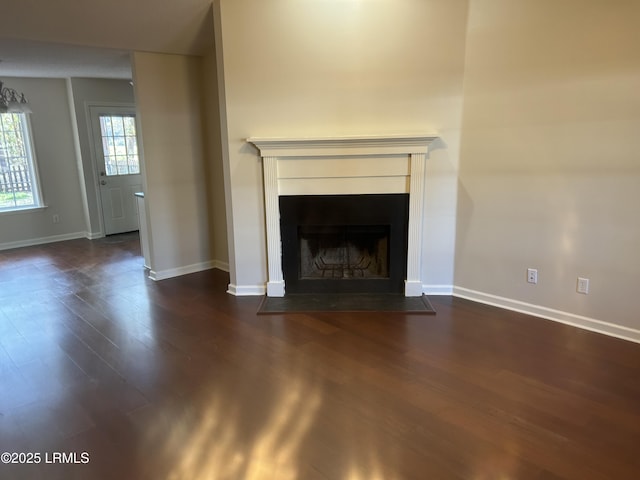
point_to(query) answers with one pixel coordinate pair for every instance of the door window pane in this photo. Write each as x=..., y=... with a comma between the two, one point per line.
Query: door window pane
x=119, y=144
x=105, y=126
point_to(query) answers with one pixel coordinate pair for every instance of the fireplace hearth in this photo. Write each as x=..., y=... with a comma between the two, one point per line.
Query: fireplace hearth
x=344, y=243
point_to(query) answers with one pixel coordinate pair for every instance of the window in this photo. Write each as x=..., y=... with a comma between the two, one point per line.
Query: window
x=19, y=187
x=119, y=144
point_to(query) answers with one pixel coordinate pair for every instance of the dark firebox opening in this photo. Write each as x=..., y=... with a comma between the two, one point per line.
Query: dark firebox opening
x=344, y=252
x=344, y=243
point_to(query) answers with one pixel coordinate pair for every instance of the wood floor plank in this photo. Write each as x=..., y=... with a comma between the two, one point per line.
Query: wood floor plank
x=178, y=379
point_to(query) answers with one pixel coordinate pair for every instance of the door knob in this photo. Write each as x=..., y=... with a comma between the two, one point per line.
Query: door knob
x=103, y=182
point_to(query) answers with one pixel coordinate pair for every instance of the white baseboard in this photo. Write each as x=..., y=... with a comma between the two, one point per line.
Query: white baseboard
x=247, y=290
x=42, y=240
x=437, y=289
x=579, y=321
x=224, y=266
x=176, y=272
x=412, y=288
x=275, y=289
x=93, y=236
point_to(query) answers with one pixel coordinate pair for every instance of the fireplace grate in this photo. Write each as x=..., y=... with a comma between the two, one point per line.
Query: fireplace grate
x=342, y=269
x=344, y=252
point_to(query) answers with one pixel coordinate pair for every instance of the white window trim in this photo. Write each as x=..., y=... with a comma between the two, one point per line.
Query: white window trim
x=38, y=198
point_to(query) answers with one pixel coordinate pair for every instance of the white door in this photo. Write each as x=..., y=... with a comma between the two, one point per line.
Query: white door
x=118, y=166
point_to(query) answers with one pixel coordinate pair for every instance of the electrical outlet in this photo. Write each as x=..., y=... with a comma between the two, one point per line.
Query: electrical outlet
x=532, y=275
x=56, y=218
x=583, y=285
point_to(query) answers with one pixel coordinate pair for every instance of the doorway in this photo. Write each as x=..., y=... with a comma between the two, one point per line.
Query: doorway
x=117, y=160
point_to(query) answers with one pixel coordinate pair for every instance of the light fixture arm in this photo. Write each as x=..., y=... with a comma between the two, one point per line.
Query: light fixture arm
x=12, y=101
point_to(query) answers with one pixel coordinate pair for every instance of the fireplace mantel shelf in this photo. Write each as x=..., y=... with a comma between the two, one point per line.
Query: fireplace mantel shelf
x=338, y=146
x=374, y=164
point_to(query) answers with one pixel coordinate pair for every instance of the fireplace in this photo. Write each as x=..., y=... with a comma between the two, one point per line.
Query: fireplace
x=331, y=167
x=344, y=243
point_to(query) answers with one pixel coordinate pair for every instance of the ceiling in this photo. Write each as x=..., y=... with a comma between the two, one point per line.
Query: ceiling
x=93, y=38
x=25, y=58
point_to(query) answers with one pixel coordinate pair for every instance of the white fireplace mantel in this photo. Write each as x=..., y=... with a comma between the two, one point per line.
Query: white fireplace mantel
x=344, y=165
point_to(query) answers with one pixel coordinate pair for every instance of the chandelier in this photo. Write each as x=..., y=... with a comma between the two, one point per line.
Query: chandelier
x=11, y=101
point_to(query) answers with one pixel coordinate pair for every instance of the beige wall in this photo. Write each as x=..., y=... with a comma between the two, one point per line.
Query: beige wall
x=550, y=173
x=538, y=168
x=54, y=140
x=308, y=68
x=168, y=91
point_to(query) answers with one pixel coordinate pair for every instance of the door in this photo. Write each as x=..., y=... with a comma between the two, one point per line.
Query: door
x=118, y=166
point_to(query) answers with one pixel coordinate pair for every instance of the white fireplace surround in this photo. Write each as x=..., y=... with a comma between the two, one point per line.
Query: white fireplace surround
x=344, y=165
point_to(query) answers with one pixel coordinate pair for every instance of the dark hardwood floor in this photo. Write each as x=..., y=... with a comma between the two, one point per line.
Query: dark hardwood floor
x=179, y=380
